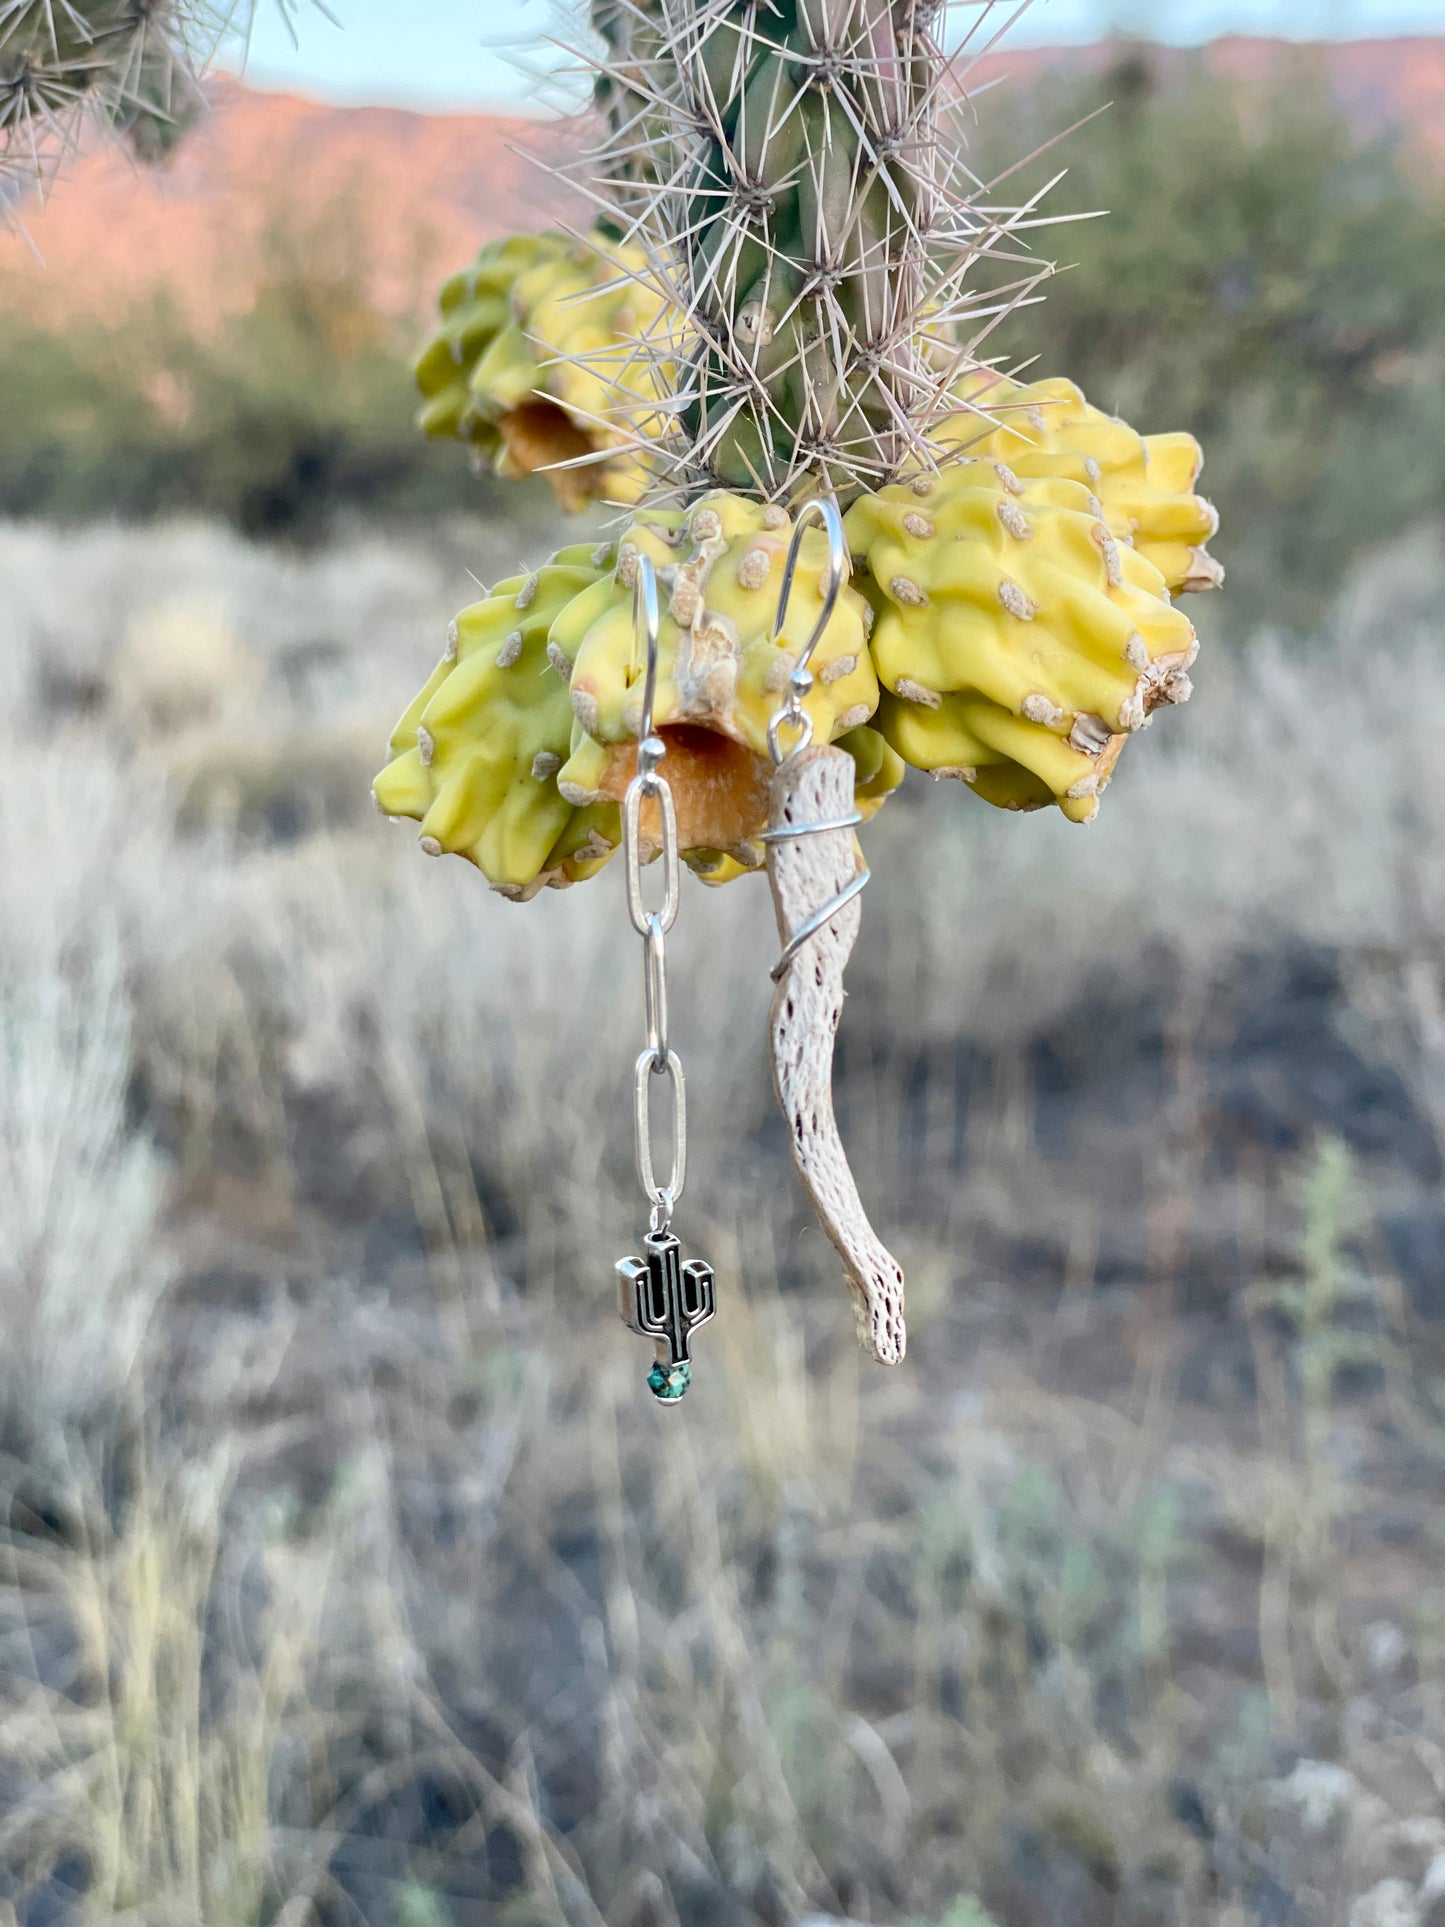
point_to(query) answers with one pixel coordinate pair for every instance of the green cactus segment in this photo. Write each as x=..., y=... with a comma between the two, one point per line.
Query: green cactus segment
x=538, y=365
x=1144, y=483
x=132, y=66
x=880, y=768
x=722, y=673
x=1019, y=643
x=476, y=310
x=803, y=220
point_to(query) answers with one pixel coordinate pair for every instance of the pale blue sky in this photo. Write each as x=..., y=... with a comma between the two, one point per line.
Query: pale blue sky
x=433, y=53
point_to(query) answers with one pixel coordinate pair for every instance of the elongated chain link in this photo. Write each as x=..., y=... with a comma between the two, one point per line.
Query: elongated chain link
x=658, y=1059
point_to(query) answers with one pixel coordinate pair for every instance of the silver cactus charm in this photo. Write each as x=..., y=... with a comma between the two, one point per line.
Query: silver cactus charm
x=663, y=1298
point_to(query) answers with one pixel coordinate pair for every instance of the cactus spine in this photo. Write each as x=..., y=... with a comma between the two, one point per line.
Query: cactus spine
x=803, y=233
x=630, y=105
x=131, y=67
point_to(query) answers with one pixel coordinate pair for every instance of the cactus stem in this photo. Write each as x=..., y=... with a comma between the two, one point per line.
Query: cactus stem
x=785, y=175
x=130, y=67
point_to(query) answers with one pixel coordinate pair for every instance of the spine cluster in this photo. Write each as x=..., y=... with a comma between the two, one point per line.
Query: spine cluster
x=128, y=67
x=627, y=96
x=792, y=183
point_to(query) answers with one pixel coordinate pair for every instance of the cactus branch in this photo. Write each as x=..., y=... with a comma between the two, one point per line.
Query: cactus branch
x=792, y=174
x=131, y=69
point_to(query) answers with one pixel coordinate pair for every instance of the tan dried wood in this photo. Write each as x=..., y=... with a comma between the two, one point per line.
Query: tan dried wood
x=806, y=872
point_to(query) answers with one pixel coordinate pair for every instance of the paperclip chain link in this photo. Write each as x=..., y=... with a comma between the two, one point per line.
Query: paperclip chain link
x=658, y=1058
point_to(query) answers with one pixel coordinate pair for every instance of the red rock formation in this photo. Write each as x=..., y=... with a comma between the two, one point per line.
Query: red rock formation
x=415, y=194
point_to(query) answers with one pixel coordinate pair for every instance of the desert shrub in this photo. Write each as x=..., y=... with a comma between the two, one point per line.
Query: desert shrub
x=1266, y=277
x=294, y=412
x=380, y=1597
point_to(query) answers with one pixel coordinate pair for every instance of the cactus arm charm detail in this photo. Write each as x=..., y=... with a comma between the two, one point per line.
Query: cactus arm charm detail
x=808, y=872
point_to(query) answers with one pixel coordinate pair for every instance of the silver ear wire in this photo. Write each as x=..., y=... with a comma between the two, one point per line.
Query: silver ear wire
x=792, y=715
x=647, y=622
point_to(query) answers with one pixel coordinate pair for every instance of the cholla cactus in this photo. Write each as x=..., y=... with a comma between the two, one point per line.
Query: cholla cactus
x=128, y=67
x=1143, y=483
x=776, y=179
x=475, y=758
x=781, y=196
x=808, y=222
x=539, y=349
x=518, y=751
x=1019, y=642
x=630, y=104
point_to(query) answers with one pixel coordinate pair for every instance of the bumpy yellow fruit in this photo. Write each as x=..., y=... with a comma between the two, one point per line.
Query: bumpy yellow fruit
x=1019, y=642
x=1144, y=483
x=723, y=672
x=475, y=307
x=538, y=362
x=475, y=757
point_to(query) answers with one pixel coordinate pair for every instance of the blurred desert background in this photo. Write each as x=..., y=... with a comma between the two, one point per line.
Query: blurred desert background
x=347, y=1572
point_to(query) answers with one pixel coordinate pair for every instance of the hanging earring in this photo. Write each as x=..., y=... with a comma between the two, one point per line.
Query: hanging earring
x=661, y=1296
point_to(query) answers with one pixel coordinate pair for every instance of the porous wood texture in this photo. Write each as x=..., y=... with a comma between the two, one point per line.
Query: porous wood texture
x=806, y=873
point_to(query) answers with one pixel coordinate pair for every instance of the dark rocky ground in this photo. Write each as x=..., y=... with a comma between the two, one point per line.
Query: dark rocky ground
x=379, y=1591
x=1147, y=1532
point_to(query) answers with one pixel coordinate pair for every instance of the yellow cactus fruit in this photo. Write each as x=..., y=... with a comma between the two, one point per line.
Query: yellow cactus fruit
x=723, y=670
x=1144, y=483
x=476, y=755
x=475, y=308
x=1018, y=641
x=880, y=769
x=538, y=363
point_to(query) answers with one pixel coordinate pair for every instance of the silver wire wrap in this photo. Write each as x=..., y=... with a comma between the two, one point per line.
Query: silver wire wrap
x=793, y=716
x=658, y=1058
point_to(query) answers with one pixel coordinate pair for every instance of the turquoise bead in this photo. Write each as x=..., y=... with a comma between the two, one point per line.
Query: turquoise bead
x=669, y=1382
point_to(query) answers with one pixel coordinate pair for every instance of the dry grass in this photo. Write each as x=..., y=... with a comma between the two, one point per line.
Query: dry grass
x=144, y=1759
x=347, y=1572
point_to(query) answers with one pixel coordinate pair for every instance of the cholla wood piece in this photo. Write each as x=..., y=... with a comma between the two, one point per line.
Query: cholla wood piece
x=806, y=873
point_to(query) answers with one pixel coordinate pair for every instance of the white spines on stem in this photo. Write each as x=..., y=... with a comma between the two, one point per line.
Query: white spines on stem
x=791, y=178
x=128, y=68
